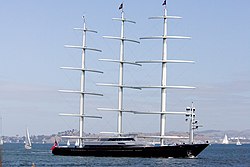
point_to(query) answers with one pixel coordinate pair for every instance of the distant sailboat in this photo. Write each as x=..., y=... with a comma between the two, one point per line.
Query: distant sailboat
x=225, y=140
x=238, y=142
x=27, y=145
x=77, y=143
x=68, y=143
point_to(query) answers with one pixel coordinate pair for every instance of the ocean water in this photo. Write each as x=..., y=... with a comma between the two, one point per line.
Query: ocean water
x=213, y=156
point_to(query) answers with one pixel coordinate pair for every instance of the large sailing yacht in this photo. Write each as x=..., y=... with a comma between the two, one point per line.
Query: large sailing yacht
x=121, y=145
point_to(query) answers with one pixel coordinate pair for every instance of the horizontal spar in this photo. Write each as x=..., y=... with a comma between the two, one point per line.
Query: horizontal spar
x=165, y=17
x=81, y=47
x=79, y=115
x=165, y=61
x=171, y=87
x=166, y=37
x=82, y=29
x=118, y=61
x=143, y=112
x=81, y=69
x=114, y=109
x=76, y=91
x=172, y=113
x=123, y=39
x=108, y=109
x=117, y=85
x=125, y=20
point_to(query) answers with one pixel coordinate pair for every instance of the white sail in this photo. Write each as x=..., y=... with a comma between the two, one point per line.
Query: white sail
x=77, y=143
x=68, y=143
x=27, y=145
x=238, y=142
x=225, y=140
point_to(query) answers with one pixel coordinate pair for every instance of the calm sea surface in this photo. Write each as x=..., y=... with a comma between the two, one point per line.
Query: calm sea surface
x=213, y=156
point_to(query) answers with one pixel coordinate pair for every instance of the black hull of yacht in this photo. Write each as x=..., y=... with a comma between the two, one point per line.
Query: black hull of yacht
x=175, y=151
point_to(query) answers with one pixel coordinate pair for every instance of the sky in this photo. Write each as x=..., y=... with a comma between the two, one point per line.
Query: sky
x=32, y=38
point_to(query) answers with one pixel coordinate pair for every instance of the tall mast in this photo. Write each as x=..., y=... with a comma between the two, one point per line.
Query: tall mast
x=82, y=84
x=164, y=79
x=120, y=89
x=82, y=91
x=164, y=60
x=121, y=62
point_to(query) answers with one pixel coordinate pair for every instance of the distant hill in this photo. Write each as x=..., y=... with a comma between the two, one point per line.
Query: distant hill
x=216, y=136
x=213, y=136
x=230, y=133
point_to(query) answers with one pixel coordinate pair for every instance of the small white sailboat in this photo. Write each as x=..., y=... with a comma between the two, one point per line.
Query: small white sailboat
x=68, y=143
x=27, y=145
x=77, y=143
x=225, y=140
x=238, y=143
